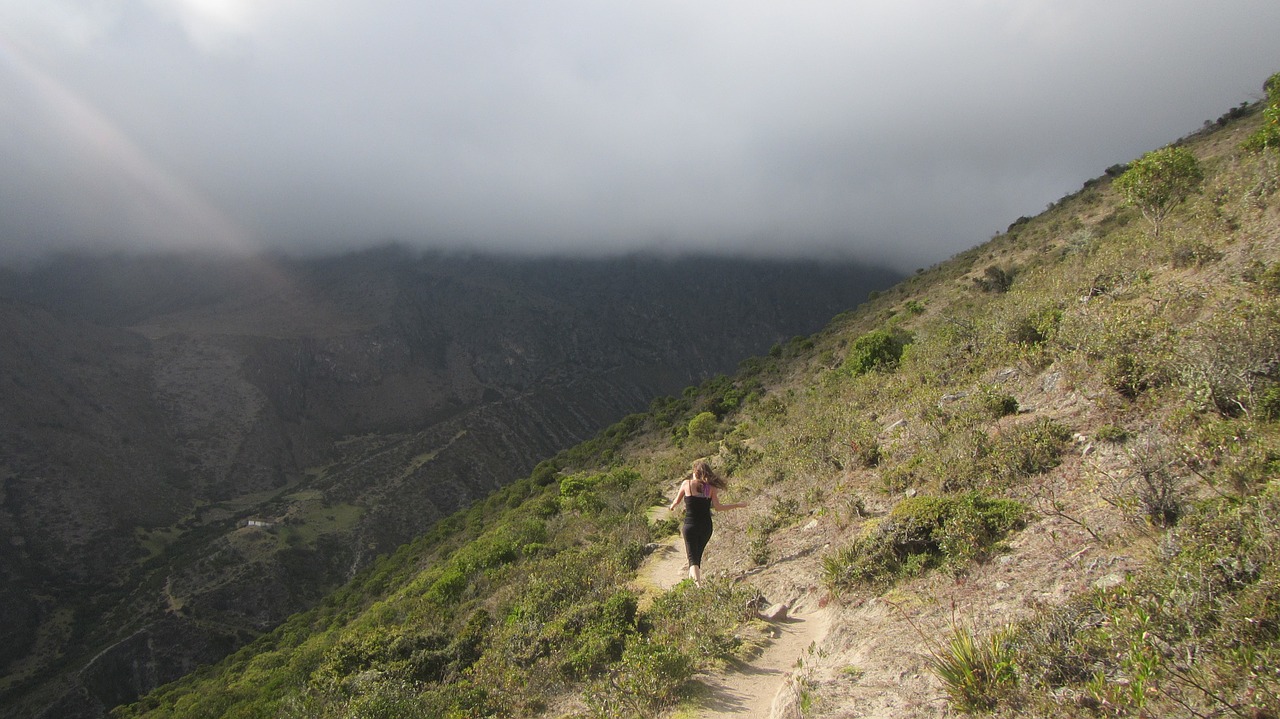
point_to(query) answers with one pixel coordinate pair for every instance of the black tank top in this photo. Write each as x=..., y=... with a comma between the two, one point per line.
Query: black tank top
x=697, y=508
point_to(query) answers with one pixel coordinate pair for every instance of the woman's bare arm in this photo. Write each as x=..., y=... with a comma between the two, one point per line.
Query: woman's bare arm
x=715, y=502
x=679, y=496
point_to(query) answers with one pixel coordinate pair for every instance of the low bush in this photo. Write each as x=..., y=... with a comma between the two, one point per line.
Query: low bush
x=703, y=426
x=649, y=677
x=1035, y=328
x=921, y=533
x=720, y=606
x=875, y=350
x=1111, y=433
x=1192, y=253
x=1026, y=449
x=995, y=279
x=995, y=403
x=1268, y=406
x=1226, y=360
x=1265, y=278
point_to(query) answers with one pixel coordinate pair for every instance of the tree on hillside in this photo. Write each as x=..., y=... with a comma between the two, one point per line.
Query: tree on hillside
x=1268, y=136
x=703, y=426
x=1159, y=180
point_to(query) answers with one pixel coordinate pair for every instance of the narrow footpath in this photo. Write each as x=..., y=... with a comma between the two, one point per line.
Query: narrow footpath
x=750, y=690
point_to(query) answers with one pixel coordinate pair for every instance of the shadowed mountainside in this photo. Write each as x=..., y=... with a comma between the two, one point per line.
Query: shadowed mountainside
x=153, y=405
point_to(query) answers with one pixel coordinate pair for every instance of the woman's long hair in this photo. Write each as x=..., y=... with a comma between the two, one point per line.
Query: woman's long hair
x=702, y=472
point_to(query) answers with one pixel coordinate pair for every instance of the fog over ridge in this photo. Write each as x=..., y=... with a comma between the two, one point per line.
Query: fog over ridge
x=900, y=133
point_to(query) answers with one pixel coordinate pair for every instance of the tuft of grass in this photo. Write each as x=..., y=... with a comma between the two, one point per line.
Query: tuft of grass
x=977, y=673
x=1111, y=433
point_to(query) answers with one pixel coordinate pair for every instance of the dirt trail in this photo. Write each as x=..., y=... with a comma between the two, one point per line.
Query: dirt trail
x=749, y=690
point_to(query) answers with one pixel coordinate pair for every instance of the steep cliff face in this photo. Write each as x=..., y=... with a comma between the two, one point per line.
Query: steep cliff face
x=153, y=405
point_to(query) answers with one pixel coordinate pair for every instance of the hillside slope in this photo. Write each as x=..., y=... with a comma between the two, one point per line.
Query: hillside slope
x=152, y=406
x=1037, y=479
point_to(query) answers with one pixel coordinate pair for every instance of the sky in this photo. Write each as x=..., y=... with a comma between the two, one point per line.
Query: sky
x=899, y=131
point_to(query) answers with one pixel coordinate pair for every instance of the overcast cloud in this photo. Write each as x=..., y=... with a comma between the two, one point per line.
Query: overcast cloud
x=902, y=131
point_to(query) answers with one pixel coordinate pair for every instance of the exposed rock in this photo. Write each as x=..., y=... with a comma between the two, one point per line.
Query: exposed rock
x=1114, y=579
x=776, y=612
x=788, y=702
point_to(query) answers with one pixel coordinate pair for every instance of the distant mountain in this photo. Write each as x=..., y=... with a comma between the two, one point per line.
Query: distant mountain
x=154, y=405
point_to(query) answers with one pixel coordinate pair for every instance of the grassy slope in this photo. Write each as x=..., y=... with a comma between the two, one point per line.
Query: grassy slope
x=1118, y=398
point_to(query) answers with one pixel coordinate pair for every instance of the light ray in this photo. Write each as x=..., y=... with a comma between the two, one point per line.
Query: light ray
x=111, y=182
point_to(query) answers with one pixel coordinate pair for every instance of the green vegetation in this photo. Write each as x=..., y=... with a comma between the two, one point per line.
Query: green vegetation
x=492, y=614
x=1194, y=635
x=976, y=672
x=1267, y=137
x=782, y=512
x=921, y=533
x=703, y=426
x=1159, y=180
x=876, y=350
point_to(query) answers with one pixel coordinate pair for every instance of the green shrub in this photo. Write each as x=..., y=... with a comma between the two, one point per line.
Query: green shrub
x=1036, y=328
x=1267, y=137
x=782, y=512
x=703, y=426
x=578, y=494
x=597, y=632
x=1114, y=434
x=875, y=350
x=545, y=473
x=995, y=279
x=1194, y=634
x=649, y=677
x=1268, y=407
x=739, y=457
x=1265, y=277
x=1227, y=358
x=720, y=607
x=995, y=403
x=921, y=533
x=1157, y=486
x=1193, y=253
x=1160, y=180
x=1026, y=450
x=1126, y=374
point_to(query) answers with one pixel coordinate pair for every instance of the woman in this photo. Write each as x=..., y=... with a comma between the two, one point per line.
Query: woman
x=701, y=493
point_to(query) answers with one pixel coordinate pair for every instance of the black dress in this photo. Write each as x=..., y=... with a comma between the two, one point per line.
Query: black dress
x=696, y=529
